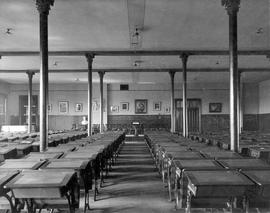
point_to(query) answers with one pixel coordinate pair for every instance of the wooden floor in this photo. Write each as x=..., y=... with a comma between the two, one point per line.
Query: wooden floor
x=134, y=185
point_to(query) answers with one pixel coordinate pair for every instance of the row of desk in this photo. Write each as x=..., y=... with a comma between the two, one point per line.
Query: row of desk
x=252, y=144
x=201, y=175
x=53, y=179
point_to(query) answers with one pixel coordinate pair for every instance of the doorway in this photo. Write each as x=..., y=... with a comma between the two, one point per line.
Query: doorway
x=193, y=113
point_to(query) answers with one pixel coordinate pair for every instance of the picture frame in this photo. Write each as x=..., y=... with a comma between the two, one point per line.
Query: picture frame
x=215, y=107
x=78, y=107
x=124, y=106
x=157, y=106
x=167, y=109
x=63, y=107
x=49, y=108
x=114, y=108
x=140, y=106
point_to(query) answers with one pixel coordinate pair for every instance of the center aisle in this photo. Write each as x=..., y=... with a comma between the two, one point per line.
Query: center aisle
x=134, y=184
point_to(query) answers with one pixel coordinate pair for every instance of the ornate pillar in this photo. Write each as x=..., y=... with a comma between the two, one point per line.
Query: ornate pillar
x=172, y=74
x=30, y=100
x=43, y=7
x=101, y=75
x=232, y=7
x=90, y=58
x=184, y=58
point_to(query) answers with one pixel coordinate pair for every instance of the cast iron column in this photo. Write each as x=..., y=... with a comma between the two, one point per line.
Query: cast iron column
x=30, y=99
x=101, y=75
x=43, y=7
x=232, y=7
x=172, y=74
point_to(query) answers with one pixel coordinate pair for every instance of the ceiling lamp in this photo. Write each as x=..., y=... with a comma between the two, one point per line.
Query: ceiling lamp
x=135, y=39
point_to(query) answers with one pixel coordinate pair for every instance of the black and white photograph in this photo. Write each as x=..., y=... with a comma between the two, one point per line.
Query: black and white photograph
x=134, y=106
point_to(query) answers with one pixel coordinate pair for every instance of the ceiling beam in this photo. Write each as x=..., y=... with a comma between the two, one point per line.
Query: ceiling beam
x=143, y=52
x=128, y=70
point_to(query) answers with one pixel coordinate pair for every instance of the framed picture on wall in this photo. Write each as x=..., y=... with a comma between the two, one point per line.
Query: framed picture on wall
x=78, y=107
x=140, y=106
x=63, y=106
x=124, y=106
x=215, y=107
x=114, y=109
x=157, y=106
x=49, y=107
x=168, y=109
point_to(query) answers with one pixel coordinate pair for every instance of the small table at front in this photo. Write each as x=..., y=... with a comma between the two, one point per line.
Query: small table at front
x=46, y=189
x=82, y=168
x=5, y=177
x=180, y=182
x=217, y=184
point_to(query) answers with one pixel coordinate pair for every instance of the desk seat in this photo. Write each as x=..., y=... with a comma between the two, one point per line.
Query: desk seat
x=220, y=155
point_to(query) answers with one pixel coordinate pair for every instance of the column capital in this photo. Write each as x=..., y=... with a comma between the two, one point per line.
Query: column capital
x=184, y=57
x=90, y=57
x=44, y=6
x=101, y=73
x=172, y=73
x=232, y=6
x=30, y=73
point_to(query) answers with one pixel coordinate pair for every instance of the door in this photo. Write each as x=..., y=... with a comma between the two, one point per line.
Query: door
x=194, y=115
x=23, y=110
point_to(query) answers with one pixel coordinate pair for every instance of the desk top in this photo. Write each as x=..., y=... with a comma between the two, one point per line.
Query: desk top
x=6, y=176
x=40, y=179
x=221, y=154
x=20, y=164
x=245, y=163
x=61, y=149
x=76, y=154
x=261, y=177
x=197, y=164
x=43, y=155
x=217, y=178
x=66, y=163
x=184, y=155
x=6, y=149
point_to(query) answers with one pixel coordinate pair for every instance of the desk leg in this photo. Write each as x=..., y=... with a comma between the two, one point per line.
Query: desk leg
x=176, y=191
x=169, y=182
x=14, y=206
x=245, y=204
x=31, y=207
x=189, y=195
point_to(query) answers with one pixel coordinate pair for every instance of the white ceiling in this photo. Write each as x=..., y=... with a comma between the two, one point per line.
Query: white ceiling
x=109, y=24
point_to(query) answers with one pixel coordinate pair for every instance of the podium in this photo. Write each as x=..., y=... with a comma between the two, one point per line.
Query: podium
x=138, y=128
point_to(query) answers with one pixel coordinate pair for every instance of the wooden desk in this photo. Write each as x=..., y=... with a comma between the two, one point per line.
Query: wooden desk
x=179, y=180
x=83, y=169
x=216, y=184
x=95, y=164
x=221, y=155
x=5, y=177
x=259, y=196
x=244, y=164
x=7, y=152
x=170, y=156
x=20, y=164
x=46, y=189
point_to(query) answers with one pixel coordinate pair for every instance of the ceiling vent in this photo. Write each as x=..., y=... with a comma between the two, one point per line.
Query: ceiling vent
x=123, y=86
